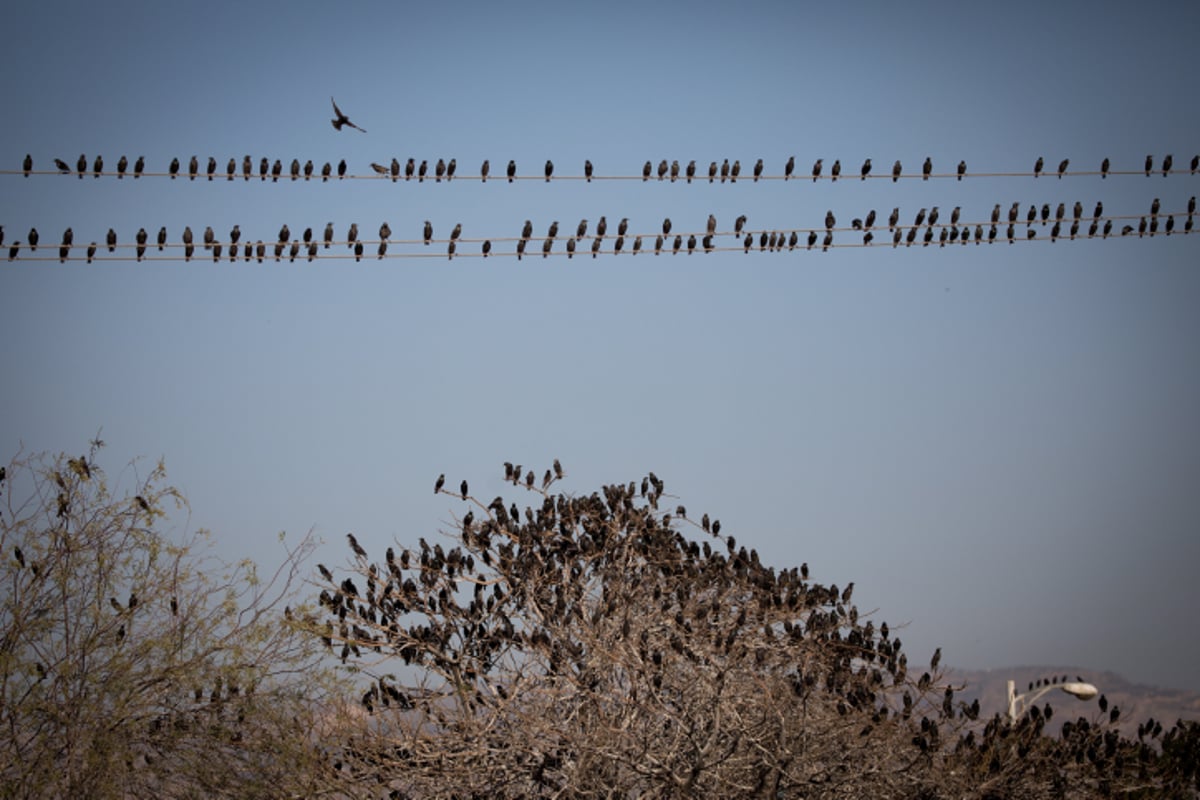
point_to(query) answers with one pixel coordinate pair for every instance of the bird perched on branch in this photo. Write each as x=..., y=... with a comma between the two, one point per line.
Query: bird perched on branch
x=341, y=119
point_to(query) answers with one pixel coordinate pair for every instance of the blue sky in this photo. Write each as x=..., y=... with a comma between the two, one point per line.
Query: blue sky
x=998, y=444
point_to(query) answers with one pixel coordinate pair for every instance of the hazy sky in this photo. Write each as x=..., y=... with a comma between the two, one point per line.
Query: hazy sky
x=999, y=444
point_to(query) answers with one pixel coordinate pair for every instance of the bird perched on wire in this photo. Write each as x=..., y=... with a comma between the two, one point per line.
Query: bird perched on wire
x=341, y=119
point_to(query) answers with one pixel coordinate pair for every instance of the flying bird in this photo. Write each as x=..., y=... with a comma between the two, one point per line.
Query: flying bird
x=341, y=119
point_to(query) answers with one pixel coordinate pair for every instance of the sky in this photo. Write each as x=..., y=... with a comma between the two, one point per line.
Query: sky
x=999, y=444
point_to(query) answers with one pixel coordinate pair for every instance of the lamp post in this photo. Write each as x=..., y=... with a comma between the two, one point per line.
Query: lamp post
x=1079, y=689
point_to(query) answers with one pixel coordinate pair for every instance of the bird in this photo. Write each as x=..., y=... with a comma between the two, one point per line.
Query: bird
x=595, y=248
x=623, y=226
x=1104, y=168
x=789, y=168
x=139, y=166
x=428, y=232
x=919, y=218
x=739, y=224
x=1195, y=165
x=712, y=171
x=894, y=217
x=552, y=231
x=646, y=170
x=830, y=220
x=866, y=169
x=549, y=169
x=521, y=248
x=122, y=165
x=229, y=170
x=1166, y=167
x=896, y=170
x=358, y=251
x=62, y=166
x=1037, y=166
x=27, y=165
x=162, y=238
x=341, y=119
x=174, y=168
x=674, y=171
x=954, y=215
x=747, y=243
x=294, y=170
x=712, y=224
x=439, y=170
x=1062, y=167
x=927, y=168
x=587, y=170
x=394, y=169
x=870, y=221
x=111, y=239
x=451, y=168
x=285, y=233
x=962, y=169
x=637, y=244
x=758, y=168
x=141, y=243
x=33, y=239
x=98, y=166
x=836, y=170
x=933, y=216
x=91, y=252
x=662, y=169
x=546, y=245
x=666, y=226
x=193, y=168
x=512, y=170
x=487, y=247
x=527, y=230
x=385, y=231
x=1154, y=207
x=691, y=243
x=677, y=244
x=484, y=168
x=212, y=167
x=581, y=230
x=691, y=170
x=341, y=170
x=454, y=234
x=724, y=170
x=352, y=235
x=1149, y=164
x=658, y=243
x=276, y=170
x=380, y=169
x=81, y=165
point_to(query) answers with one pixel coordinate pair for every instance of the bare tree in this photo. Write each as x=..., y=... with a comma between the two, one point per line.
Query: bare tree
x=131, y=665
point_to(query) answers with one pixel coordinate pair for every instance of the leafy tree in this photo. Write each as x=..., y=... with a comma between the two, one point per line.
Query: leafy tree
x=134, y=665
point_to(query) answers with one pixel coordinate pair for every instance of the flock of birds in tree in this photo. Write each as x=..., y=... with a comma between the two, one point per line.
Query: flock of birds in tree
x=307, y=245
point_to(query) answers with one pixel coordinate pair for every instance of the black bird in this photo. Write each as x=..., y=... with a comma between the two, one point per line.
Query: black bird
x=352, y=235
x=212, y=167
x=816, y=169
x=646, y=170
x=33, y=239
x=341, y=170
x=674, y=171
x=933, y=216
x=328, y=234
x=827, y=242
x=927, y=168
x=830, y=220
x=581, y=231
x=439, y=170
x=162, y=238
x=358, y=251
x=81, y=165
x=174, y=168
x=789, y=168
x=1045, y=212
x=1014, y=212
x=1077, y=211
x=587, y=170
x=98, y=166
x=276, y=170
x=521, y=248
x=812, y=239
x=866, y=169
x=1191, y=206
x=193, y=168
x=552, y=231
x=247, y=167
x=139, y=166
x=896, y=170
x=62, y=166
x=27, y=165
x=837, y=169
x=14, y=250
x=394, y=169
x=141, y=242
x=285, y=233
x=512, y=170
x=111, y=240
x=1149, y=165
x=738, y=225
x=637, y=244
x=691, y=170
x=1154, y=206
x=794, y=240
x=229, y=169
x=955, y=214
x=724, y=170
x=451, y=168
x=549, y=169
x=870, y=218
x=919, y=218
x=962, y=169
x=712, y=224
x=677, y=244
x=758, y=168
x=1062, y=167
x=691, y=243
x=308, y=233
x=996, y=214
x=454, y=234
x=1166, y=168
x=712, y=171
x=91, y=252
x=294, y=171
x=894, y=217
x=385, y=231
x=484, y=168
x=595, y=248
x=618, y=244
x=747, y=243
x=428, y=232
x=1104, y=168
x=1037, y=166
x=312, y=250
x=623, y=226
x=380, y=169
x=527, y=230
x=658, y=243
x=487, y=247
x=341, y=119
x=122, y=165
x=666, y=226
x=1031, y=217
x=662, y=169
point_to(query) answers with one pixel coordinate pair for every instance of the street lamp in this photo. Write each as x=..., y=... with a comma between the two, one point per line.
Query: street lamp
x=1079, y=689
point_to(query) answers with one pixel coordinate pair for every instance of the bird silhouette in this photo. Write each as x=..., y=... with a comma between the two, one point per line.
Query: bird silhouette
x=789, y=168
x=122, y=165
x=896, y=170
x=962, y=169
x=927, y=168
x=27, y=165
x=487, y=247
x=674, y=171
x=1037, y=166
x=484, y=168
x=451, y=167
x=691, y=170
x=866, y=169
x=836, y=170
x=212, y=167
x=549, y=169
x=662, y=169
x=587, y=170
x=1168, y=160
x=62, y=166
x=512, y=170
x=174, y=168
x=341, y=119
x=439, y=170
x=428, y=232
x=193, y=168
x=98, y=166
x=1062, y=167
x=1149, y=165
x=111, y=239
x=81, y=165
x=1104, y=168
x=162, y=238
x=758, y=169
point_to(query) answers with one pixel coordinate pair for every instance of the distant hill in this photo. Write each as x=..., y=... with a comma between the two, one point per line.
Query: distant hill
x=1136, y=701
